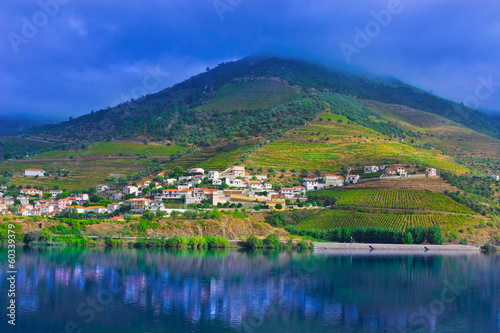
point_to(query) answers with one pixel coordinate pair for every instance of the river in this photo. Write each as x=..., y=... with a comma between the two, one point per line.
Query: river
x=143, y=290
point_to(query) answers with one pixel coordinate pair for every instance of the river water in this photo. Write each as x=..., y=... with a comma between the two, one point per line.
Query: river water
x=140, y=290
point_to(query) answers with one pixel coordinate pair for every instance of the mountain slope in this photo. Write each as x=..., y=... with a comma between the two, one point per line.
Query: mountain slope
x=251, y=84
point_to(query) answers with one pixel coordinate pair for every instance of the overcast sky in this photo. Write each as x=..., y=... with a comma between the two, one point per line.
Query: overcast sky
x=68, y=57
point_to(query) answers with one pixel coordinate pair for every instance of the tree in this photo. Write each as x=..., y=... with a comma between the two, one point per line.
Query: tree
x=160, y=213
x=148, y=215
x=434, y=235
x=272, y=241
x=8, y=155
x=129, y=217
x=12, y=209
x=279, y=206
x=408, y=239
x=174, y=214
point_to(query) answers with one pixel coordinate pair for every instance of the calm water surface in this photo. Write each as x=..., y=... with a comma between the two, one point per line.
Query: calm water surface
x=121, y=291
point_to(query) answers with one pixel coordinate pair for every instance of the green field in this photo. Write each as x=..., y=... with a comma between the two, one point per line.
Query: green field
x=334, y=218
x=258, y=94
x=225, y=159
x=115, y=148
x=393, y=199
x=328, y=144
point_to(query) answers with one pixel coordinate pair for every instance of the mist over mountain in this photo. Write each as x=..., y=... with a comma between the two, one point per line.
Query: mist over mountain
x=12, y=123
x=210, y=106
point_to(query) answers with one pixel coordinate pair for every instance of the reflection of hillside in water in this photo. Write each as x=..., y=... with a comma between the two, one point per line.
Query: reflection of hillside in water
x=227, y=289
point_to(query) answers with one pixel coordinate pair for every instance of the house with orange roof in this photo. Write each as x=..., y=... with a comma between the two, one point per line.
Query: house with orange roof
x=96, y=210
x=371, y=168
x=31, y=191
x=334, y=180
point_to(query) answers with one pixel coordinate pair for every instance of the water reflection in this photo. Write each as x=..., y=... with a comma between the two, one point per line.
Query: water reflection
x=215, y=291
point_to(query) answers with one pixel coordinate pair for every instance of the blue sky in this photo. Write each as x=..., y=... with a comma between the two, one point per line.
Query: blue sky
x=68, y=57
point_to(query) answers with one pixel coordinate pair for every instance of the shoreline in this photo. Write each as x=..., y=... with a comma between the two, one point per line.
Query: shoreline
x=370, y=247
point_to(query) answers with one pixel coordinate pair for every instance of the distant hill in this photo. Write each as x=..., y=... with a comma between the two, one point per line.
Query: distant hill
x=235, y=93
x=12, y=123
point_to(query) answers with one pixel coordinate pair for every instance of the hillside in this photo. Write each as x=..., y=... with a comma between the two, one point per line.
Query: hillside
x=180, y=113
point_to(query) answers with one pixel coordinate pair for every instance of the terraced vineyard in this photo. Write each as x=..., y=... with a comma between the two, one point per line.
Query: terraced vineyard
x=335, y=218
x=394, y=199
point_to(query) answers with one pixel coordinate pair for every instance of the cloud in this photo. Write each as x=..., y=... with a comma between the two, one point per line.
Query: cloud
x=91, y=52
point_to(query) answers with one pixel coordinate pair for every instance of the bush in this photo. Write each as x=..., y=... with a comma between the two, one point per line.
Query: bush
x=272, y=241
x=488, y=248
x=464, y=241
x=276, y=220
x=418, y=234
x=279, y=206
x=197, y=242
x=253, y=242
x=176, y=241
x=408, y=239
x=33, y=236
x=148, y=215
x=434, y=235
x=217, y=242
x=303, y=245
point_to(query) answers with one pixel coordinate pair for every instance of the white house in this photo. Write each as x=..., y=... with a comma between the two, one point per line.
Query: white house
x=130, y=189
x=288, y=192
x=31, y=191
x=213, y=175
x=113, y=207
x=352, y=179
x=96, y=210
x=334, y=180
x=185, y=178
x=156, y=205
x=268, y=186
x=102, y=188
x=238, y=170
x=45, y=209
x=196, y=170
x=24, y=200
x=299, y=190
x=169, y=181
x=312, y=184
x=235, y=182
x=34, y=172
x=371, y=168
x=432, y=172
x=217, y=181
x=54, y=193
x=254, y=185
x=495, y=177
x=401, y=170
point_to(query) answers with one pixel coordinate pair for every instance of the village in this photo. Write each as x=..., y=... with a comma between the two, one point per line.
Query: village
x=194, y=188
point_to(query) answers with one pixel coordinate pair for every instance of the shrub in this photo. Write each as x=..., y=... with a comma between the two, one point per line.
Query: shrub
x=464, y=241
x=272, y=241
x=32, y=236
x=217, y=242
x=279, y=206
x=176, y=241
x=408, y=239
x=434, y=235
x=197, y=242
x=148, y=215
x=303, y=245
x=253, y=242
x=418, y=234
x=488, y=248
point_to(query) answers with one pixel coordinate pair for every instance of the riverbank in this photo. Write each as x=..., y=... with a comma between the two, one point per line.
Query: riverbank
x=393, y=247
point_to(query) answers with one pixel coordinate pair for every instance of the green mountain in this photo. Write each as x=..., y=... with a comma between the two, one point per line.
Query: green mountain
x=243, y=98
